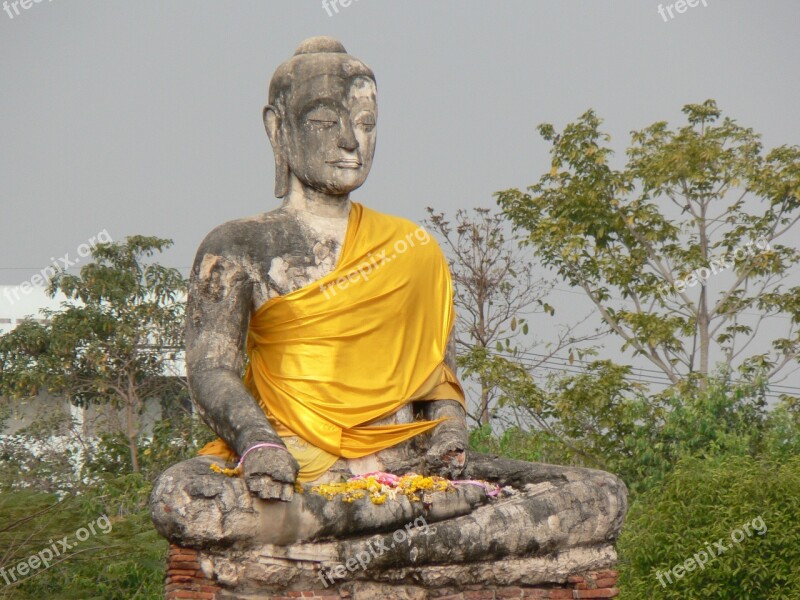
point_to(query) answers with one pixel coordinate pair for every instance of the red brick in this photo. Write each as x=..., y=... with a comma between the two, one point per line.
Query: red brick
x=183, y=564
x=536, y=594
x=479, y=595
x=510, y=592
x=209, y=588
x=452, y=597
x=606, y=573
x=576, y=579
x=561, y=594
x=190, y=572
x=607, y=582
x=182, y=556
x=180, y=578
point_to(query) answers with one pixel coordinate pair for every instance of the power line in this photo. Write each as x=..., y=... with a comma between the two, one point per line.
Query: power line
x=630, y=302
x=562, y=365
x=657, y=374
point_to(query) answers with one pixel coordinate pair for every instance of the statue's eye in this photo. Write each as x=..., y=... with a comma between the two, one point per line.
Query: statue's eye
x=366, y=121
x=323, y=122
x=323, y=118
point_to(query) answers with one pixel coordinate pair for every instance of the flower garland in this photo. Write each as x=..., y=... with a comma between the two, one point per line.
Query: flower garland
x=380, y=486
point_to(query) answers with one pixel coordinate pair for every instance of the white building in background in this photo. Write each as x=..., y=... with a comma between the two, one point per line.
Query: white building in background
x=18, y=302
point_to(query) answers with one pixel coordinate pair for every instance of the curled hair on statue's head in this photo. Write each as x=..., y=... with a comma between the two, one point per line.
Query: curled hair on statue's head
x=314, y=57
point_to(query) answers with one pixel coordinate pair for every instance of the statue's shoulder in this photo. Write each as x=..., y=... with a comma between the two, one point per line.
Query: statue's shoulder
x=249, y=235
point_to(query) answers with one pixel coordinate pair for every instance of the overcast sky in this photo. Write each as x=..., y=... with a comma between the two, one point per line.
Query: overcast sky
x=144, y=117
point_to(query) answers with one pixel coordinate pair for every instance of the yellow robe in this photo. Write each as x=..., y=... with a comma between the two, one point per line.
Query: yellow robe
x=355, y=346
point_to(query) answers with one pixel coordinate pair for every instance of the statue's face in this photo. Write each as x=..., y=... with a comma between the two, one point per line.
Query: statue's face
x=330, y=131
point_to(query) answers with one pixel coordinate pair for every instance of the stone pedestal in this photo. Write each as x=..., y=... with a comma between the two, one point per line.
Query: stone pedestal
x=270, y=573
x=550, y=535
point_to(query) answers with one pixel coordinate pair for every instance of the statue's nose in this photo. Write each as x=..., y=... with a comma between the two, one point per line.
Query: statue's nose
x=347, y=137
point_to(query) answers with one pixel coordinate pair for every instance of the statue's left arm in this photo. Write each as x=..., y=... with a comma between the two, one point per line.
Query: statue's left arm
x=450, y=439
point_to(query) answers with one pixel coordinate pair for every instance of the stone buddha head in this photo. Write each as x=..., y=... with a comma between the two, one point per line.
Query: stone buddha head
x=321, y=119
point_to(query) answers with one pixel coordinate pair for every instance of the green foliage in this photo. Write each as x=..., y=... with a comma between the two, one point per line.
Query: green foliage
x=699, y=463
x=518, y=444
x=690, y=201
x=111, y=343
x=124, y=563
x=173, y=440
x=598, y=419
x=706, y=500
x=44, y=457
x=782, y=430
x=129, y=561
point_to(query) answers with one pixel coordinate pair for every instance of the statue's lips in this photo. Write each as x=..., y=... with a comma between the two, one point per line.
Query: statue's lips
x=345, y=164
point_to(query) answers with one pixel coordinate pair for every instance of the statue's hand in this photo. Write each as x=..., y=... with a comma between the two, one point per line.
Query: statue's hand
x=270, y=473
x=447, y=455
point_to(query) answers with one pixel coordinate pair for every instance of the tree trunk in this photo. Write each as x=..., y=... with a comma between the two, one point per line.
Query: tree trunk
x=484, y=415
x=131, y=404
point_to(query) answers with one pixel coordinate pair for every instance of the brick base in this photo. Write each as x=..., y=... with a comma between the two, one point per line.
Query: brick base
x=186, y=581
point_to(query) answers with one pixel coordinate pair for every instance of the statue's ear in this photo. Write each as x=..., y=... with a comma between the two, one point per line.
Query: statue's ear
x=274, y=127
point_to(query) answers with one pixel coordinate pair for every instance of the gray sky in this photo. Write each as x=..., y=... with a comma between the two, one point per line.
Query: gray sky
x=144, y=117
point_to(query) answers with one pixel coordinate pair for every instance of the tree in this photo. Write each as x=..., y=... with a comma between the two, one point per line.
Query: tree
x=495, y=294
x=114, y=340
x=680, y=250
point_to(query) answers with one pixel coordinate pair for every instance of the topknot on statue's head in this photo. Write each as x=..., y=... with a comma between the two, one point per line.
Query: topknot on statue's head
x=316, y=57
x=320, y=44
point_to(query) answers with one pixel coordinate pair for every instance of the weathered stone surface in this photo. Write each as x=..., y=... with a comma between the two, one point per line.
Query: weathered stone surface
x=195, y=507
x=259, y=577
x=562, y=521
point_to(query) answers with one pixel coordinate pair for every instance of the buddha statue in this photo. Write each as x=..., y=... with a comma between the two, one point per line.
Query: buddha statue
x=341, y=319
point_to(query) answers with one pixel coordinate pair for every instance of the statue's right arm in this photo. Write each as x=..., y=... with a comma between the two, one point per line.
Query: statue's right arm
x=218, y=310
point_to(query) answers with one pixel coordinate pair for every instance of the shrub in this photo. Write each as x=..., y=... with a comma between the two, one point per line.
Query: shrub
x=705, y=500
